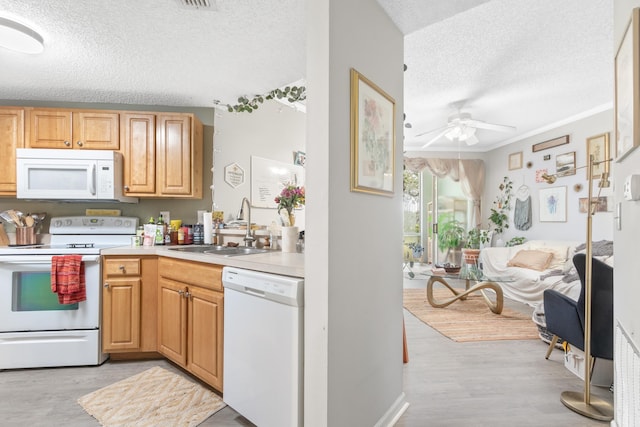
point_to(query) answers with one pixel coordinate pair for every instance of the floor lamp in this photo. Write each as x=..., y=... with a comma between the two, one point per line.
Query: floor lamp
x=582, y=402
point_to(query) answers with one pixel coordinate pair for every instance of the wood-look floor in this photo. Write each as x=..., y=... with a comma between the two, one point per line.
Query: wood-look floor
x=499, y=383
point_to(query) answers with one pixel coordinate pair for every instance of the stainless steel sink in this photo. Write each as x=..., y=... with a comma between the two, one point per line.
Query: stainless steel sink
x=220, y=250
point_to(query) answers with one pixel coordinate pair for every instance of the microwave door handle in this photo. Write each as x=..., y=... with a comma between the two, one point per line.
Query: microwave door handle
x=92, y=189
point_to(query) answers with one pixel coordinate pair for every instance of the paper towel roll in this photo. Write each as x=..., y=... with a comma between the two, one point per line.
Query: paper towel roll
x=208, y=228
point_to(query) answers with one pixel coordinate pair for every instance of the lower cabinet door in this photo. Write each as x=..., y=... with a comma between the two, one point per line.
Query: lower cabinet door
x=121, y=314
x=205, y=331
x=172, y=320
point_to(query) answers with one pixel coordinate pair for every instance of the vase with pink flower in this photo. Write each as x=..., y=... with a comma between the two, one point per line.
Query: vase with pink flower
x=291, y=197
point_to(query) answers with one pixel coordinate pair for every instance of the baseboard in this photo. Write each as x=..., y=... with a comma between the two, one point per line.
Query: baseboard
x=395, y=411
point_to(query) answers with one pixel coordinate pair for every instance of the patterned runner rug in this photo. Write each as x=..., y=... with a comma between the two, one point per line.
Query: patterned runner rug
x=155, y=397
x=469, y=320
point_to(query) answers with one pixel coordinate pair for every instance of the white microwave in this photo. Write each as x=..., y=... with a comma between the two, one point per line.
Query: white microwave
x=82, y=175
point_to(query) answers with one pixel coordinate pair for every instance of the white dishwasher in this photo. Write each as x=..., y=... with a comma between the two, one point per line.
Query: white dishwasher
x=263, y=346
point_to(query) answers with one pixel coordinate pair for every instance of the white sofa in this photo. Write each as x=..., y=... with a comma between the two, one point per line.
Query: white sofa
x=527, y=285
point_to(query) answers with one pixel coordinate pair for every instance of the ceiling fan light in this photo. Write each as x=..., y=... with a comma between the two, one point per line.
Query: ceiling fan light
x=20, y=38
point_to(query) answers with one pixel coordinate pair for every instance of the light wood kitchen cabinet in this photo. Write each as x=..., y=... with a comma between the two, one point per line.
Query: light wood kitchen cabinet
x=73, y=129
x=191, y=316
x=11, y=137
x=138, y=135
x=129, y=304
x=164, y=163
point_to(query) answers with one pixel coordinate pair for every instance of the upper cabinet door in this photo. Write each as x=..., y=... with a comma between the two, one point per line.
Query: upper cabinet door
x=139, y=150
x=92, y=130
x=11, y=137
x=177, y=156
x=50, y=129
x=96, y=130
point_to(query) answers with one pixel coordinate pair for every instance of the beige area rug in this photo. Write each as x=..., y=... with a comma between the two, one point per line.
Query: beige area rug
x=469, y=320
x=155, y=397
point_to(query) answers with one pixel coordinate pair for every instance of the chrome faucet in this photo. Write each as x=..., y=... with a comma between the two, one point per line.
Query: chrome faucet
x=248, y=238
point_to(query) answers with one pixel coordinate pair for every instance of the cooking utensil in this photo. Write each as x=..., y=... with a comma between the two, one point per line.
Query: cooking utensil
x=29, y=221
x=16, y=217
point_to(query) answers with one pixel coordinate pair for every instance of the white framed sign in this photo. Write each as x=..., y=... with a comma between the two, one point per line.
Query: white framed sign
x=233, y=175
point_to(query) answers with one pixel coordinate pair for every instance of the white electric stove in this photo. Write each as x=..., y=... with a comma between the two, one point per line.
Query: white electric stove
x=35, y=329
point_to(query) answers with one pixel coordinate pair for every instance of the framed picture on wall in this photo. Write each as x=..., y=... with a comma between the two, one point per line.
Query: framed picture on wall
x=553, y=204
x=598, y=146
x=372, y=137
x=566, y=164
x=515, y=161
x=627, y=78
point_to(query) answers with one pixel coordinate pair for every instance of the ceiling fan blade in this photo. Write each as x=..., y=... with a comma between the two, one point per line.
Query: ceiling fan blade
x=441, y=128
x=489, y=126
x=437, y=137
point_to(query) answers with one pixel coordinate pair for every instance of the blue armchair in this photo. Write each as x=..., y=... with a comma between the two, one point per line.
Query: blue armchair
x=565, y=317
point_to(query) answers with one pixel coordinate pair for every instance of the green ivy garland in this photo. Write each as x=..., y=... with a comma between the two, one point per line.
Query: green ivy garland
x=290, y=93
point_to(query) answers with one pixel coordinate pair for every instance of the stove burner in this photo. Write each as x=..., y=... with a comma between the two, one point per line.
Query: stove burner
x=79, y=245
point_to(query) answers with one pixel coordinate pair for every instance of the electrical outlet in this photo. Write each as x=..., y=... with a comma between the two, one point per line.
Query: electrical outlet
x=166, y=216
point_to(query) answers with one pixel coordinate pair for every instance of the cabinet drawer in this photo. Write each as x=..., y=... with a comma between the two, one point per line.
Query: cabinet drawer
x=122, y=267
x=194, y=273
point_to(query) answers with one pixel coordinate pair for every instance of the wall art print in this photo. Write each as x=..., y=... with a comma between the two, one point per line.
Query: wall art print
x=553, y=204
x=372, y=137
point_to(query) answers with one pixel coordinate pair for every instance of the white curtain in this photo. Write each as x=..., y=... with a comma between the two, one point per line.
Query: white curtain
x=469, y=172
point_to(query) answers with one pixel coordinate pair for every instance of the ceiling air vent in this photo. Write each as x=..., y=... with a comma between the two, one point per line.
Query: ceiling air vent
x=198, y=4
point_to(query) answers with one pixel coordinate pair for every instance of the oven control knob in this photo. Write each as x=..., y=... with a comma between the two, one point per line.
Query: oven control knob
x=127, y=223
x=118, y=222
x=57, y=223
x=67, y=222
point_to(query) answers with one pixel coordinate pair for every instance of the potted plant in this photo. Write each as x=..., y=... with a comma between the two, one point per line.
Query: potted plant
x=451, y=234
x=499, y=217
x=471, y=250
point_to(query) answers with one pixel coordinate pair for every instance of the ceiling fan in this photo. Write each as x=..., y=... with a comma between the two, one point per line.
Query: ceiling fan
x=461, y=127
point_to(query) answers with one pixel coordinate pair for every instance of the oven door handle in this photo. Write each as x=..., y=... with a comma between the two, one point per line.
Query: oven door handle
x=39, y=259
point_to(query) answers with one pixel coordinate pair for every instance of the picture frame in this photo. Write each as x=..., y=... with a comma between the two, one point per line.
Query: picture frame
x=553, y=204
x=299, y=158
x=566, y=164
x=515, y=161
x=602, y=204
x=373, y=139
x=550, y=143
x=598, y=146
x=539, y=173
x=627, y=84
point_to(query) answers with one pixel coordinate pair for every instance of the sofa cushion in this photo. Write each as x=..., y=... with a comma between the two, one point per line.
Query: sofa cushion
x=559, y=255
x=532, y=259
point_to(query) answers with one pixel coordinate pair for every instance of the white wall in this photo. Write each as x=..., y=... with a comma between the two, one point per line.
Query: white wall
x=626, y=289
x=274, y=131
x=353, y=280
x=575, y=227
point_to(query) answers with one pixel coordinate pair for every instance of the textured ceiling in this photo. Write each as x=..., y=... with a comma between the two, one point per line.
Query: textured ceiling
x=522, y=63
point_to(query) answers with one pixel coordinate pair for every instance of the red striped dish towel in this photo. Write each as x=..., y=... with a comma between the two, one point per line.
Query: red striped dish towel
x=67, y=278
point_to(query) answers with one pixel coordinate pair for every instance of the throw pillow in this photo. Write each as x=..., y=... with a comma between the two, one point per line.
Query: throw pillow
x=559, y=255
x=532, y=259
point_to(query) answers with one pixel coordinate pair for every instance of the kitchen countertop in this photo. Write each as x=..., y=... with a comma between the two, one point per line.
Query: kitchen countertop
x=276, y=262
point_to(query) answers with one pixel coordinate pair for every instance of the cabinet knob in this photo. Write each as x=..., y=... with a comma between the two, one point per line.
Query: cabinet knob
x=121, y=268
x=181, y=293
x=126, y=188
x=187, y=294
x=106, y=285
x=67, y=143
x=79, y=143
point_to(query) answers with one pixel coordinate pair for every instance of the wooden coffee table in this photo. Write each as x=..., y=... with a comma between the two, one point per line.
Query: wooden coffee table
x=480, y=284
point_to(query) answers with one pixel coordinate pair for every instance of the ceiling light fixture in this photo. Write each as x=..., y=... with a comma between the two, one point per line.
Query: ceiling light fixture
x=19, y=37
x=462, y=133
